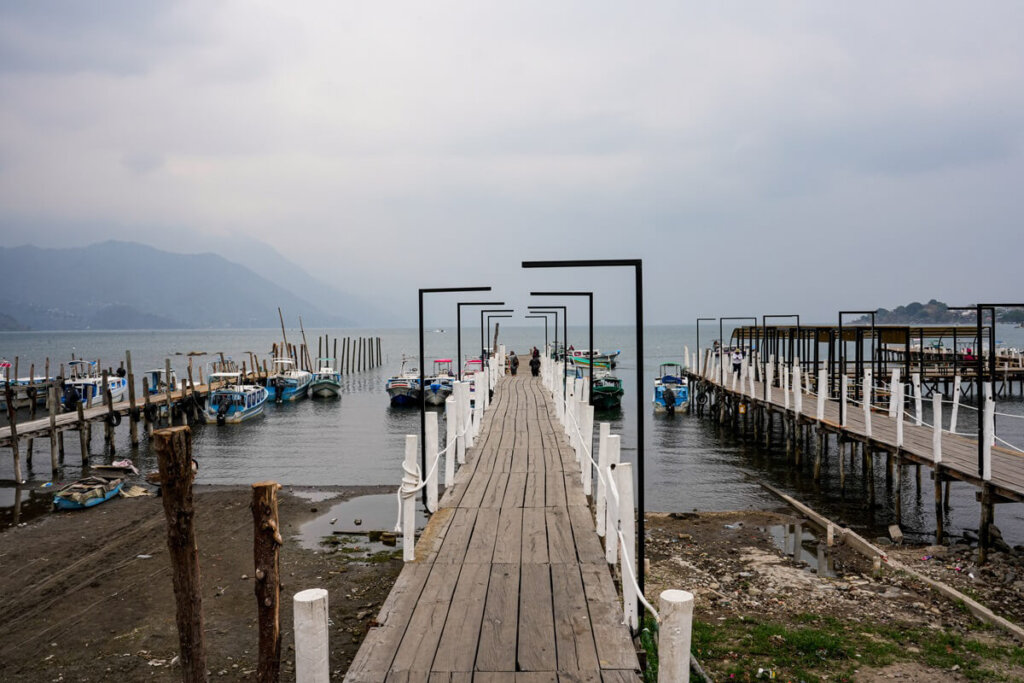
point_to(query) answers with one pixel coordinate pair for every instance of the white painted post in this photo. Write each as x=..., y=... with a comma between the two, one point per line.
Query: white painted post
x=627, y=525
x=956, y=404
x=611, y=538
x=588, y=444
x=769, y=378
x=449, y=434
x=602, y=467
x=674, y=636
x=844, y=385
x=312, y=653
x=867, y=394
x=432, y=464
x=409, y=483
x=989, y=433
x=798, y=390
x=732, y=380
x=750, y=378
x=822, y=391
x=899, y=414
x=461, y=391
x=937, y=428
x=917, y=397
x=785, y=387
x=893, y=394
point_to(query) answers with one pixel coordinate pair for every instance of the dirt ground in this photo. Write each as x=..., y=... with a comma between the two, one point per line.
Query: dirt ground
x=87, y=595
x=761, y=615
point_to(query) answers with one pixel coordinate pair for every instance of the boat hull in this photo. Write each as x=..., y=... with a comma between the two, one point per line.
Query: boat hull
x=682, y=397
x=325, y=389
x=210, y=416
x=280, y=389
x=608, y=400
x=62, y=503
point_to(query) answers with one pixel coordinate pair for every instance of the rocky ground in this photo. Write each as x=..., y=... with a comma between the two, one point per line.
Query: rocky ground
x=762, y=615
x=87, y=595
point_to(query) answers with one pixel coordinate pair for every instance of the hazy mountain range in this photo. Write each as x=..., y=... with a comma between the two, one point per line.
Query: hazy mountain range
x=124, y=285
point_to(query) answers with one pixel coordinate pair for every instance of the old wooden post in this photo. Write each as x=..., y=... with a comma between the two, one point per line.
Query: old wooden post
x=133, y=415
x=83, y=432
x=147, y=423
x=266, y=542
x=167, y=387
x=51, y=400
x=13, y=421
x=109, y=421
x=675, y=636
x=174, y=456
x=312, y=651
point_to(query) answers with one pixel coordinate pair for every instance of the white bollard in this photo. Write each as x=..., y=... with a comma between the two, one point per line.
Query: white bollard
x=893, y=396
x=989, y=433
x=461, y=392
x=312, y=653
x=432, y=464
x=867, y=394
x=586, y=451
x=674, y=636
x=449, y=433
x=798, y=390
x=844, y=385
x=627, y=553
x=937, y=428
x=409, y=483
x=956, y=404
x=916, y=378
x=785, y=387
x=769, y=378
x=899, y=414
x=602, y=466
x=611, y=538
x=822, y=393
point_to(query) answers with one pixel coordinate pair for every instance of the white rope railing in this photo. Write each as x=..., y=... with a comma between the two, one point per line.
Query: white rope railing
x=613, y=492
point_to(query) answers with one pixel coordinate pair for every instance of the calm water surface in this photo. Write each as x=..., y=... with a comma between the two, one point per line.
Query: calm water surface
x=359, y=439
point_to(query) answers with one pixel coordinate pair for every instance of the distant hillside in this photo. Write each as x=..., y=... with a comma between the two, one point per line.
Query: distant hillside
x=120, y=285
x=9, y=324
x=935, y=313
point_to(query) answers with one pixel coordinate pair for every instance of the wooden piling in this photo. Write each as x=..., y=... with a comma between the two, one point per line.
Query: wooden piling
x=133, y=419
x=939, y=531
x=167, y=387
x=108, y=422
x=145, y=408
x=266, y=542
x=13, y=421
x=174, y=455
x=51, y=400
x=83, y=433
x=819, y=453
x=984, y=528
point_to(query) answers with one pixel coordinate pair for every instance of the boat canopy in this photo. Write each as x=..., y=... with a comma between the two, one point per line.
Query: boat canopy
x=214, y=375
x=284, y=361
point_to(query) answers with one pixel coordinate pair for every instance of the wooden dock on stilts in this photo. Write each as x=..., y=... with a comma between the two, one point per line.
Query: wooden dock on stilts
x=510, y=582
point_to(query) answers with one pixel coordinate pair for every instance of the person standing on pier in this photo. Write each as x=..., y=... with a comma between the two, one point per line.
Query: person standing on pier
x=737, y=361
x=513, y=362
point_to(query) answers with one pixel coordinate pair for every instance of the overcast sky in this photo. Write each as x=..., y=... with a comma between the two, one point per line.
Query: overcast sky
x=761, y=157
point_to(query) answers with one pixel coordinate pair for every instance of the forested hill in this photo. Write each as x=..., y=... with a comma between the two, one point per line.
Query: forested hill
x=934, y=313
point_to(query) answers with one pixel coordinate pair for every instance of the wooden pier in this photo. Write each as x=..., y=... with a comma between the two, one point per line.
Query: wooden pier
x=510, y=583
x=742, y=403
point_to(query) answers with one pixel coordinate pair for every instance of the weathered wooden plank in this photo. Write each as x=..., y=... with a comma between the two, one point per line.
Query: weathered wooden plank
x=496, y=650
x=554, y=494
x=456, y=540
x=560, y=540
x=535, y=537
x=456, y=650
x=515, y=490
x=588, y=547
x=485, y=534
x=614, y=647
x=574, y=489
x=536, y=646
x=619, y=676
x=508, y=546
x=416, y=651
x=495, y=492
x=574, y=637
x=534, y=495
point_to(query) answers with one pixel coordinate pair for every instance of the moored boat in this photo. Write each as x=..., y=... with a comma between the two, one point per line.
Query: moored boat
x=158, y=383
x=609, y=360
x=232, y=401
x=87, y=492
x=86, y=382
x=607, y=392
x=671, y=388
x=287, y=383
x=326, y=381
x=438, y=387
x=404, y=388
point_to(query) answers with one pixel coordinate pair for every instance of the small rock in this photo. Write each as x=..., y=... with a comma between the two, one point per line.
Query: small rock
x=245, y=577
x=358, y=522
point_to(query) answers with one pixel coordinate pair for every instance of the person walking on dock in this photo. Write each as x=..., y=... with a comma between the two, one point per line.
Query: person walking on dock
x=513, y=362
x=737, y=361
x=535, y=365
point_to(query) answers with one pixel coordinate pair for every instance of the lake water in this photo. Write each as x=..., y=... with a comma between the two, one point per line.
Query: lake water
x=359, y=439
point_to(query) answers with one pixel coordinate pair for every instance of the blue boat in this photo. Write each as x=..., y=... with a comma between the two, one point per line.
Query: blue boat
x=439, y=386
x=326, y=382
x=85, y=493
x=671, y=388
x=233, y=402
x=287, y=383
x=404, y=388
x=85, y=382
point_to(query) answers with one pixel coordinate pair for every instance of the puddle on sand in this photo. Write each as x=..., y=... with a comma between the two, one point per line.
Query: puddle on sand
x=375, y=513
x=22, y=504
x=314, y=495
x=800, y=542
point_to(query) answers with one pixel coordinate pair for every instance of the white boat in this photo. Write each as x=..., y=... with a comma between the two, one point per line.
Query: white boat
x=86, y=382
x=287, y=383
x=326, y=382
x=404, y=388
x=438, y=387
x=586, y=356
x=158, y=382
x=233, y=402
x=25, y=390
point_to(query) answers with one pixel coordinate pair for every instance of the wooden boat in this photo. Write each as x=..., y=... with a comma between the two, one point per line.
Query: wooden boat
x=671, y=388
x=87, y=492
x=26, y=391
x=607, y=392
x=326, y=381
x=232, y=401
x=158, y=383
x=404, y=388
x=287, y=383
x=609, y=360
x=438, y=387
x=86, y=382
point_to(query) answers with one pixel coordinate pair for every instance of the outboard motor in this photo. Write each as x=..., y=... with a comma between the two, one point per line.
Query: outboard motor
x=121, y=372
x=669, y=397
x=222, y=412
x=279, y=385
x=71, y=397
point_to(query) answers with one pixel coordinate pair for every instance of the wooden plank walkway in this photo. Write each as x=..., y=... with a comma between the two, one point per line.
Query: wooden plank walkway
x=959, y=453
x=510, y=583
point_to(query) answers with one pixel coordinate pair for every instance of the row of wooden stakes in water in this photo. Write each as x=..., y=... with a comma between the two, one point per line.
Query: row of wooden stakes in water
x=357, y=354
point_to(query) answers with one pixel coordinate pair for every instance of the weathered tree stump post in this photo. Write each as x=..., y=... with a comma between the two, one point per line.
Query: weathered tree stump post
x=146, y=409
x=51, y=400
x=13, y=421
x=174, y=455
x=266, y=542
x=83, y=433
x=133, y=415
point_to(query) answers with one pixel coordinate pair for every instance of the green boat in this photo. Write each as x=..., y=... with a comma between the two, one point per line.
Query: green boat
x=607, y=392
